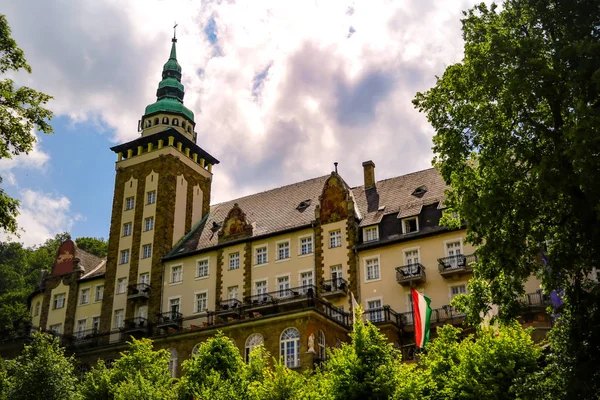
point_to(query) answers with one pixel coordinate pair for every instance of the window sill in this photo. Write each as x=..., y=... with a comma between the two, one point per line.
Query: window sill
x=305, y=255
x=261, y=265
x=283, y=260
x=372, y=280
x=83, y=304
x=175, y=283
x=199, y=278
x=233, y=269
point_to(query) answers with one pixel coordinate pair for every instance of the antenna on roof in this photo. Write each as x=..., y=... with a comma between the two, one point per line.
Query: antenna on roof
x=335, y=166
x=174, y=40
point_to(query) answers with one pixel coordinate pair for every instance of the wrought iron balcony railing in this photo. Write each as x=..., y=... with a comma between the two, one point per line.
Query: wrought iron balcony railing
x=411, y=273
x=334, y=287
x=456, y=265
x=135, y=324
x=138, y=290
x=382, y=315
x=169, y=319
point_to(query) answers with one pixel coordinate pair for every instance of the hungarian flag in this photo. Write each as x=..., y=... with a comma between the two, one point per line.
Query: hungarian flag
x=422, y=313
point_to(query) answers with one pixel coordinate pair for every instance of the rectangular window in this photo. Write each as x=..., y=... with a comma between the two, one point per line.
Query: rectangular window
x=176, y=274
x=201, y=302
x=129, y=203
x=99, y=294
x=84, y=296
x=151, y=197
x=80, y=328
x=374, y=311
x=148, y=224
x=147, y=251
x=283, y=250
x=232, y=292
x=124, y=256
x=372, y=267
x=335, y=238
x=306, y=278
x=454, y=254
x=410, y=225
x=261, y=255
x=371, y=233
x=174, y=305
x=56, y=329
x=38, y=306
x=202, y=269
x=306, y=245
x=96, y=324
x=121, y=285
x=59, y=300
x=260, y=287
x=144, y=278
x=283, y=286
x=119, y=318
x=127, y=229
x=456, y=290
x=234, y=261
x=411, y=257
x=336, y=272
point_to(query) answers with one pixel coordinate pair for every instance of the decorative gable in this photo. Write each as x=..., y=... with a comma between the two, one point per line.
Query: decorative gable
x=334, y=200
x=65, y=259
x=235, y=225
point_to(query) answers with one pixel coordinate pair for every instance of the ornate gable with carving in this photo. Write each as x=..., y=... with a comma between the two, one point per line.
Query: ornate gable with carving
x=235, y=225
x=333, y=202
x=65, y=258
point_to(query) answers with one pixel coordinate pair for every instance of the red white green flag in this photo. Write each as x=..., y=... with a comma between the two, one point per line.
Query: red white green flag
x=422, y=315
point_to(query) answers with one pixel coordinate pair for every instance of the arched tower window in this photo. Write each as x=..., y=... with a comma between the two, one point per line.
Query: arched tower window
x=183, y=124
x=173, y=362
x=156, y=120
x=175, y=122
x=148, y=123
x=322, y=345
x=189, y=129
x=165, y=120
x=290, y=347
x=252, y=341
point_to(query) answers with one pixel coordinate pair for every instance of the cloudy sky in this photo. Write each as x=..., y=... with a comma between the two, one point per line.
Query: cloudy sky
x=280, y=89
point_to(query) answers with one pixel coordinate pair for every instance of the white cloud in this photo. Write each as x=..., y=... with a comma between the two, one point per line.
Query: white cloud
x=286, y=89
x=36, y=159
x=42, y=215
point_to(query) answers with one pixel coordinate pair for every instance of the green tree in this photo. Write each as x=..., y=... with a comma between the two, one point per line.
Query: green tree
x=517, y=138
x=42, y=371
x=20, y=112
x=95, y=246
x=140, y=373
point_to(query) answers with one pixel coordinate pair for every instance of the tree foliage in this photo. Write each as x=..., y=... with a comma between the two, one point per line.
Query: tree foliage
x=21, y=111
x=95, y=246
x=518, y=139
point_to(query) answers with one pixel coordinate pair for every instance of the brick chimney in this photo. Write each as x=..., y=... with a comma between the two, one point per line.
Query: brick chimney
x=369, y=170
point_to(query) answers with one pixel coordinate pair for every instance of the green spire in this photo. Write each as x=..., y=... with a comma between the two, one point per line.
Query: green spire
x=170, y=92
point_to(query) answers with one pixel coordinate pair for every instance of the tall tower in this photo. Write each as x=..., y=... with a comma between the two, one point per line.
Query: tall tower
x=162, y=189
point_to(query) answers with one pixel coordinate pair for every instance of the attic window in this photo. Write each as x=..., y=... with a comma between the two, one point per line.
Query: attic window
x=215, y=227
x=303, y=205
x=381, y=208
x=420, y=191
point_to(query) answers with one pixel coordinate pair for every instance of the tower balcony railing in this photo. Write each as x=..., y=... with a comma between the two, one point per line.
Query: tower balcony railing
x=457, y=265
x=382, y=315
x=137, y=324
x=169, y=319
x=138, y=290
x=229, y=305
x=337, y=287
x=411, y=274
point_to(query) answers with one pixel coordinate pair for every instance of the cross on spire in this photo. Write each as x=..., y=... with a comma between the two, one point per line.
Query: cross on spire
x=174, y=40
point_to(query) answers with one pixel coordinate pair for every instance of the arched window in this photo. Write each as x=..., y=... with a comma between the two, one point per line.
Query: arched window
x=183, y=124
x=290, y=347
x=195, y=350
x=148, y=123
x=156, y=121
x=253, y=340
x=175, y=122
x=173, y=362
x=165, y=120
x=322, y=345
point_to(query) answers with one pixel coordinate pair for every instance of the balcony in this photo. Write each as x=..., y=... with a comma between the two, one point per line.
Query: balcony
x=135, y=325
x=85, y=338
x=456, y=265
x=444, y=314
x=536, y=300
x=334, y=288
x=170, y=319
x=280, y=296
x=382, y=315
x=138, y=291
x=410, y=275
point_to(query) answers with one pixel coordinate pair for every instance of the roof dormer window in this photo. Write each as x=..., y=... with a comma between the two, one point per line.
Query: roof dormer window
x=420, y=191
x=303, y=205
x=371, y=233
x=410, y=225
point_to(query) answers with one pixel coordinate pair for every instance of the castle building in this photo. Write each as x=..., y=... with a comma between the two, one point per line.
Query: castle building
x=277, y=268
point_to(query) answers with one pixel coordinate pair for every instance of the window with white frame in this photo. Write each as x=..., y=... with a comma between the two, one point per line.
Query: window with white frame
x=374, y=310
x=261, y=255
x=260, y=287
x=322, y=345
x=151, y=197
x=335, y=238
x=254, y=340
x=306, y=279
x=173, y=362
x=59, y=300
x=411, y=257
x=234, y=261
x=371, y=233
x=129, y=203
x=121, y=285
x=124, y=256
x=176, y=273
x=80, y=328
x=372, y=269
x=202, y=268
x=410, y=225
x=144, y=278
x=290, y=347
x=283, y=286
x=454, y=252
x=38, y=307
x=336, y=272
x=96, y=324
x=127, y=228
x=201, y=304
x=148, y=224
x=306, y=245
x=283, y=250
x=232, y=292
x=147, y=251
x=99, y=293
x=84, y=296
x=456, y=290
x=174, y=305
x=118, y=320
x=56, y=329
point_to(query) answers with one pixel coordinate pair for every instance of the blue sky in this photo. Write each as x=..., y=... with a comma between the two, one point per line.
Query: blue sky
x=280, y=89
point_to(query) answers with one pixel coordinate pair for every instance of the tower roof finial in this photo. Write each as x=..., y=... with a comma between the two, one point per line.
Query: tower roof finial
x=174, y=40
